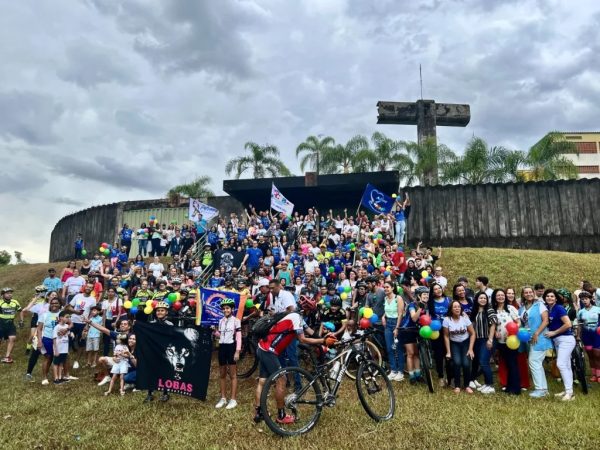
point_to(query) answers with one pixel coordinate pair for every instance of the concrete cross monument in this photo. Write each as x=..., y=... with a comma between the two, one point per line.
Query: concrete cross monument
x=426, y=115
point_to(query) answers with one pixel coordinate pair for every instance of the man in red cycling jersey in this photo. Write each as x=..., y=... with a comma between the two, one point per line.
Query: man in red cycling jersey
x=280, y=336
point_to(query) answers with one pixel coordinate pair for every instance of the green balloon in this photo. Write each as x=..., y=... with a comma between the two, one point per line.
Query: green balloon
x=426, y=332
x=361, y=311
x=172, y=296
x=331, y=269
x=380, y=236
x=347, y=289
x=352, y=246
x=135, y=301
x=83, y=252
x=400, y=290
x=249, y=303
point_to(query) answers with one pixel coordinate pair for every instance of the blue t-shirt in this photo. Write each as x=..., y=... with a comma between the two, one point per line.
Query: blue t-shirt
x=254, y=254
x=265, y=222
x=468, y=307
x=53, y=284
x=399, y=215
x=242, y=234
x=79, y=244
x=276, y=254
x=554, y=316
x=94, y=332
x=216, y=282
x=213, y=238
x=201, y=226
x=440, y=308
x=407, y=321
x=126, y=235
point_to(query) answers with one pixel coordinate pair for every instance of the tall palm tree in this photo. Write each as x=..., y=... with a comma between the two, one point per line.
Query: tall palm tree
x=263, y=160
x=313, y=149
x=423, y=160
x=546, y=158
x=386, y=153
x=196, y=189
x=482, y=164
x=351, y=157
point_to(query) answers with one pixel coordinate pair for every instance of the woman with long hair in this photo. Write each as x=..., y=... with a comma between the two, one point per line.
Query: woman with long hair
x=394, y=311
x=460, y=295
x=588, y=318
x=67, y=272
x=459, y=339
x=506, y=314
x=485, y=320
x=438, y=308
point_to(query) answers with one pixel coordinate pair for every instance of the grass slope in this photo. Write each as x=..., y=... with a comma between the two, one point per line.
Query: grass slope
x=79, y=416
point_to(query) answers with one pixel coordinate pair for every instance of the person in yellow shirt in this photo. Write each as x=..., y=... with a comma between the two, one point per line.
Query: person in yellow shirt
x=9, y=308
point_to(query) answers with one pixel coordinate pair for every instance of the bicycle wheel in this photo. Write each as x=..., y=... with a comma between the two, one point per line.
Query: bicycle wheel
x=370, y=352
x=578, y=363
x=375, y=391
x=247, y=363
x=303, y=406
x=426, y=363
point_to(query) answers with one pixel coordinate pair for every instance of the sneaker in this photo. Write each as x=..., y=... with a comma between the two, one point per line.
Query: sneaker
x=560, y=394
x=399, y=376
x=538, y=393
x=442, y=382
x=148, y=398
x=29, y=377
x=568, y=397
x=56, y=382
x=286, y=420
x=65, y=380
x=76, y=365
x=45, y=382
x=71, y=378
x=232, y=404
x=392, y=376
x=258, y=417
x=104, y=381
x=128, y=387
x=475, y=385
x=221, y=403
x=164, y=397
x=487, y=390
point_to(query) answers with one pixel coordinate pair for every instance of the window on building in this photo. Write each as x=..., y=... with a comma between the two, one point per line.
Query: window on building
x=586, y=147
x=573, y=138
x=588, y=169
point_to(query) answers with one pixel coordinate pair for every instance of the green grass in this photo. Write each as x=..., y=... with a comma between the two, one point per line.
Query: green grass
x=79, y=416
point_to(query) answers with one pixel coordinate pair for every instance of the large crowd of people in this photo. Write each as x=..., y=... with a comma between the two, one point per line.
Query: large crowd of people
x=318, y=271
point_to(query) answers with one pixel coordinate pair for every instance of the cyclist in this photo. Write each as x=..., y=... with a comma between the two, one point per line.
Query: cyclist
x=229, y=333
x=409, y=329
x=282, y=334
x=588, y=317
x=334, y=315
x=37, y=306
x=8, y=310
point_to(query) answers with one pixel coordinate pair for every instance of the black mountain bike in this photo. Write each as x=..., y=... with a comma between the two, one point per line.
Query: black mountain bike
x=247, y=363
x=578, y=360
x=321, y=388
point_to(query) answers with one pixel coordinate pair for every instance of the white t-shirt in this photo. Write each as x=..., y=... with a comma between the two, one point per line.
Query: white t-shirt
x=81, y=303
x=40, y=309
x=339, y=224
x=283, y=301
x=62, y=342
x=156, y=269
x=504, y=318
x=310, y=266
x=457, y=329
x=74, y=285
x=228, y=327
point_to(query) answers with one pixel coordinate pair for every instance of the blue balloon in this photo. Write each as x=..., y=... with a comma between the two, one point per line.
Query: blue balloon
x=387, y=273
x=133, y=310
x=329, y=326
x=152, y=217
x=374, y=318
x=124, y=283
x=524, y=335
x=340, y=289
x=435, y=325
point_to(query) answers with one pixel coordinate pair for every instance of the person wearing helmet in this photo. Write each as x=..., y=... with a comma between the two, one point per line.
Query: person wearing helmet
x=334, y=315
x=416, y=308
x=229, y=333
x=228, y=286
x=8, y=310
x=36, y=306
x=588, y=317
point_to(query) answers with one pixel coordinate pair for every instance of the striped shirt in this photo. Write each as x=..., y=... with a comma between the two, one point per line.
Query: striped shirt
x=482, y=327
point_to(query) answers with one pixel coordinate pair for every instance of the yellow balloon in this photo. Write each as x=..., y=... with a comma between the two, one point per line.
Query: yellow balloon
x=127, y=304
x=424, y=274
x=343, y=296
x=178, y=295
x=367, y=313
x=435, y=335
x=148, y=310
x=512, y=342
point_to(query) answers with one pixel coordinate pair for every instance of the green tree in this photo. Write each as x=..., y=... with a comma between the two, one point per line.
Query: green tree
x=351, y=157
x=196, y=189
x=546, y=158
x=422, y=162
x=482, y=164
x=386, y=153
x=4, y=258
x=263, y=160
x=313, y=149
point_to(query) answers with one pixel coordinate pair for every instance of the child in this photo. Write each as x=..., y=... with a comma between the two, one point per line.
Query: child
x=230, y=344
x=60, y=338
x=92, y=342
x=121, y=364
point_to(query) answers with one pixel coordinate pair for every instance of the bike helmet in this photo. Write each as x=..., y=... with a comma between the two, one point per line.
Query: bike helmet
x=7, y=290
x=176, y=280
x=184, y=290
x=163, y=305
x=307, y=304
x=227, y=302
x=361, y=285
x=330, y=287
x=421, y=290
x=565, y=294
x=41, y=288
x=336, y=301
x=228, y=279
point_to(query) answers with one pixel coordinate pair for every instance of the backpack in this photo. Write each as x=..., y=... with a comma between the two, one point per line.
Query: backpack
x=263, y=326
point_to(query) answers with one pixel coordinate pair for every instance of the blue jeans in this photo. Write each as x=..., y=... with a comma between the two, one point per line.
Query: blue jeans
x=143, y=247
x=481, y=363
x=396, y=357
x=289, y=358
x=400, y=229
x=460, y=360
x=130, y=377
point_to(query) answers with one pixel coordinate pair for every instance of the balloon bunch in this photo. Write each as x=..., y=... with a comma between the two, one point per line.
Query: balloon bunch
x=430, y=329
x=367, y=317
x=516, y=336
x=143, y=233
x=104, y=249
x=152, y=221
x=426, y=278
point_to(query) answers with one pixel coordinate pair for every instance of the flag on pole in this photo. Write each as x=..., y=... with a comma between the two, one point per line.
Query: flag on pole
x=279, y=202
x=197, y=207
x=376, y=200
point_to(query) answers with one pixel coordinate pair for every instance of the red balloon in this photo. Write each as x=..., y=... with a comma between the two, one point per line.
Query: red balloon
x=598, y=330
x=154, y=303
x=364, y=323
x=192, y=302
x=104, y=244
x=177, y=306
x=512, y=328
x=425, y=320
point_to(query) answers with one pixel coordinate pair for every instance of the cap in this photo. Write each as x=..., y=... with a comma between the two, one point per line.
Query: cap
x=263, y=282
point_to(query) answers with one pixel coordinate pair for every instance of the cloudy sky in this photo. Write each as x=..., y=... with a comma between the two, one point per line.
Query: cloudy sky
x=103, y=101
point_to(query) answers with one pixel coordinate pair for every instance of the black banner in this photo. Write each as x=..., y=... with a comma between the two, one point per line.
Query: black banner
x=173, y=359
x=228, y=259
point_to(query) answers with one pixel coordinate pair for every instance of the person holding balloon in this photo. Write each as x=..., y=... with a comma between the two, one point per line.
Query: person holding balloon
x=588, y=316
x=485, y=321
x=415, y=313
x=506, y=340
x=438, y=305
x=534, y=319
x=559, y=330
x=393, y=313
x=459, y=339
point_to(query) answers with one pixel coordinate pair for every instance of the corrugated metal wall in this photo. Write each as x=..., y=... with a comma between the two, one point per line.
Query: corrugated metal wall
x=135, y=218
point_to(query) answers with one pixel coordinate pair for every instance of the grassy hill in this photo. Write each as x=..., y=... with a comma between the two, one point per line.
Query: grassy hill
x=77, y=415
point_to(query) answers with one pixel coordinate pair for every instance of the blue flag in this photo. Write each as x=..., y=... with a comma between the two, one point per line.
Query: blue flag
x=376, y=200
x=211, y=305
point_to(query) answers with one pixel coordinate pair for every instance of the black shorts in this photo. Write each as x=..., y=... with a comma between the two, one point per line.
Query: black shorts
x=77, y=331
x=60, y=359
x=7, y=328
x=34, y=320
x=408, y=336
x=226, y=353
x=268, y=363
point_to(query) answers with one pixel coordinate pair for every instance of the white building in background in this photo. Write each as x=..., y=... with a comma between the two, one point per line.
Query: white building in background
x=588, y=145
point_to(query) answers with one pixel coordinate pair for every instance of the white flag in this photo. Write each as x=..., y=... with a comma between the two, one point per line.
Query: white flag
x=280, y=203
x=197, y=207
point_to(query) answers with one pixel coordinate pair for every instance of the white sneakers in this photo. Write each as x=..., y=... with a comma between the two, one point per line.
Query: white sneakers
x=45, y=382
x=396, y=376
x=475, y=385
x=565, y=396
x=104, y=381
x=71, y=378
x=76, y=365
x=485, y=389
x=232, y=404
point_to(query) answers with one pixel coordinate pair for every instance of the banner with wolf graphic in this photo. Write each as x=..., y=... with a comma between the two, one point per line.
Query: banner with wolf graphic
x=173, y=359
